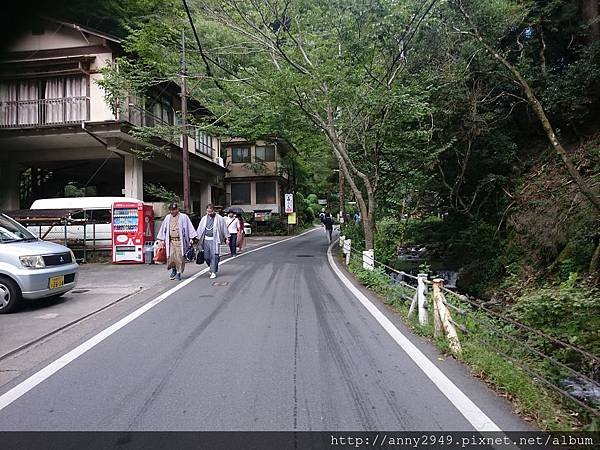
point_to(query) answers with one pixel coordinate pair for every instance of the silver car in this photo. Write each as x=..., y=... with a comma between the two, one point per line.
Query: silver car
x=31, y=268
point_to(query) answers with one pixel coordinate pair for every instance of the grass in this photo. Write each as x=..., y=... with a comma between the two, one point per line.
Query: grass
x=530, y=398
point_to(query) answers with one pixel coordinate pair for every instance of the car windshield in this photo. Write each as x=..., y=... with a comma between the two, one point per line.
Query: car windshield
x=11, y=231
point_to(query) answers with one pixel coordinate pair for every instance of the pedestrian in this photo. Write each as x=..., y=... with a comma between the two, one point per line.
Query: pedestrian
x=233, y=228
x=328, y=224
x=322, y=215
x=176, y=234
x=241, y=233
x=212, y=231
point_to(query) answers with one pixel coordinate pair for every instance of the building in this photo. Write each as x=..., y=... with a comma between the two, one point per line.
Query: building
x=59, y=133
x=258, y=178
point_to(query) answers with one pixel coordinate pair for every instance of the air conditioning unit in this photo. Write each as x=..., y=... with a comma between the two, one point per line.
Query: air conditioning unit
x=220, y=161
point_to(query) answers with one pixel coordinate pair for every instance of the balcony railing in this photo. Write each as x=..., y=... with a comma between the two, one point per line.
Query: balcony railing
x=35, y=113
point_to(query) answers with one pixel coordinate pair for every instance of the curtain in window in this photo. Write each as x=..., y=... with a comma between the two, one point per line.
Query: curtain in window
x=75, y=93
x=28, y=95
x=54, y=104
x=8, y=104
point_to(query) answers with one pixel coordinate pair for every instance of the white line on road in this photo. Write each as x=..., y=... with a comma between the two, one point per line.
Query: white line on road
x=45, y=373
x=465, y=406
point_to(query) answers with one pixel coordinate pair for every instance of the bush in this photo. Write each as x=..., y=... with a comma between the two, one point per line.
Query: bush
x=355, y=232
x=387, y=238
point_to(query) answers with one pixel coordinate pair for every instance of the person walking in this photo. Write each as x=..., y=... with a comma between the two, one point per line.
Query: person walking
x=176, y=234
x=233, y=228
x=241, y=234
x=212, y=231
x=328, y=224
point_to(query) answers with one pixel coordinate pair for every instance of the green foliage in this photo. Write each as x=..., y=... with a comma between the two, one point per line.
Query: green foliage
x=387, y=238
x=160, y=193
x=355, y=232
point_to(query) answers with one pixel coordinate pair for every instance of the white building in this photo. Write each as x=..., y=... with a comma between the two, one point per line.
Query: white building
x=57, y=129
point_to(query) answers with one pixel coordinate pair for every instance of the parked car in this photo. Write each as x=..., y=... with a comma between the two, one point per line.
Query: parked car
x=30, y=268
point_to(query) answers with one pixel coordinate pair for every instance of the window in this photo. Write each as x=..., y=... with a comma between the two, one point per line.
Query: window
x=265, y=153
x=240, y=193
x=203, y=143
x=240, y=154
x=266, y=192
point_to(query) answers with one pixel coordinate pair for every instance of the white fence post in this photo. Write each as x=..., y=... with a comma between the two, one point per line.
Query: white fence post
x=368, y=259
x=422, y=298
x=347, y=249
x=341, y=241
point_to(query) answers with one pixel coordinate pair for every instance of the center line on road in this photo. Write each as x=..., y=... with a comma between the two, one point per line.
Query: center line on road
x=471, y=412
x=25, y=386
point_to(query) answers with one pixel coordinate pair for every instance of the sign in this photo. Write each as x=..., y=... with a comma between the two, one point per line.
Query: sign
x=292, y=218
x=289, y=203
x=322, y=201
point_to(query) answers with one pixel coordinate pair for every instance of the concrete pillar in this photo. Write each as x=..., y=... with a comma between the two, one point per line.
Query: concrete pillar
x=134, y=177
x=9, y=185
x=205, y=195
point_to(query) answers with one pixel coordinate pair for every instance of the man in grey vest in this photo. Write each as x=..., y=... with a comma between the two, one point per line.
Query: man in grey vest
x=212, y=231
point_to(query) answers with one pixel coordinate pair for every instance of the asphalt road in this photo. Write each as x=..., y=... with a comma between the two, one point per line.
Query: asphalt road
x=279, y=344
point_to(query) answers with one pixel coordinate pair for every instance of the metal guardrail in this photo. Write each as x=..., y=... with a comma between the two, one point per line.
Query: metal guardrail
x=492, y=321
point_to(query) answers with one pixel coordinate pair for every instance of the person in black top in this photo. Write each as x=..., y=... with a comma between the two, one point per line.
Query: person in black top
x=328, y=224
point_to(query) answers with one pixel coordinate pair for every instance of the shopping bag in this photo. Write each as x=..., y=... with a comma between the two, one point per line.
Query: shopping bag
x=160, y=255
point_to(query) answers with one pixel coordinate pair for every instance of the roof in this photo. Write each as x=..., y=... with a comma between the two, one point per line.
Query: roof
x=41, y=215
x=79, y=202
x=81, y=28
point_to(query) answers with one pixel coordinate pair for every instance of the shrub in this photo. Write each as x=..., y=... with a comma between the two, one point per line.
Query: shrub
x=387, y=238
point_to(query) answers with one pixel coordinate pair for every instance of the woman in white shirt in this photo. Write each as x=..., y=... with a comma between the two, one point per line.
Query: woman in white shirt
x=233, y=227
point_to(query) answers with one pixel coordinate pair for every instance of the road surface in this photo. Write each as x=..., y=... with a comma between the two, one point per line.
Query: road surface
x=276, y=342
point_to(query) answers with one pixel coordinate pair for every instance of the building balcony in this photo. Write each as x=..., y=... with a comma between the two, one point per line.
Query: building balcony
x=44, y=112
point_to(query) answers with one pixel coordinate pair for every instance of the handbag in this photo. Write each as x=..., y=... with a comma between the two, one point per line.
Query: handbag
x=200, y=256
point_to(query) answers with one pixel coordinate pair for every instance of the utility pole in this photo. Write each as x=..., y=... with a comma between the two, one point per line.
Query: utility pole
x=184, y=135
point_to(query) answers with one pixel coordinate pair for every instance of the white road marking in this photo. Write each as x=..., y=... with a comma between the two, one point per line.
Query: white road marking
x=471, y=412
x=45, y=373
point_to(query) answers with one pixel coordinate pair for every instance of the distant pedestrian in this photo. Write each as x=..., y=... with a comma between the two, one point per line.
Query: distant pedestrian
x=233, y=228
x=176, y=234
x=242, y=233
x=212, y=231
x=322, y=215
x=328, y=224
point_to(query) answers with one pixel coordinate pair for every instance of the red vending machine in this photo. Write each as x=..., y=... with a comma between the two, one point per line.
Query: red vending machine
x=132, y=229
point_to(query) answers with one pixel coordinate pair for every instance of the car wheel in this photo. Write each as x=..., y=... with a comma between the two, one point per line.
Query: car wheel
x=10, y=295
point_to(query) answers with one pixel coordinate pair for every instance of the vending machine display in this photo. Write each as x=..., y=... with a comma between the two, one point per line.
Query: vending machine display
x=132, y=227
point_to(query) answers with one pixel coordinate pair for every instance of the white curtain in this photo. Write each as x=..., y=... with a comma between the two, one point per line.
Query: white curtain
x=8, y=104
x=28, y=94
x=76, y=105
x=54, y=103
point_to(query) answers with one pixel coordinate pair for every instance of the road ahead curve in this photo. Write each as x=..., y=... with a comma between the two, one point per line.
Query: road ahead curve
x=279, y=343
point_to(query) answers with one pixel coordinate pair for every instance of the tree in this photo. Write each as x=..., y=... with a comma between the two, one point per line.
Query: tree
x=336, y=67
x=475, y=32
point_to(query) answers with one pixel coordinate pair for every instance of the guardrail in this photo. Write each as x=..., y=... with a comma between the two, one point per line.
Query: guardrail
x=474, y=315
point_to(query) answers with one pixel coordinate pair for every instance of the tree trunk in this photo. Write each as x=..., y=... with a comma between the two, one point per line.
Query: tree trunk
x=589, y=12
x=595, y=264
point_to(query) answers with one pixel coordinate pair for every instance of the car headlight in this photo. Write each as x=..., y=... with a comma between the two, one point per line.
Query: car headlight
x=72, y=256
x=32, y=262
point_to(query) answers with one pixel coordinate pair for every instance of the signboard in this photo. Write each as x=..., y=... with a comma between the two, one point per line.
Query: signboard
x=292, y=218
x=289, y=203
x=322, y=201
